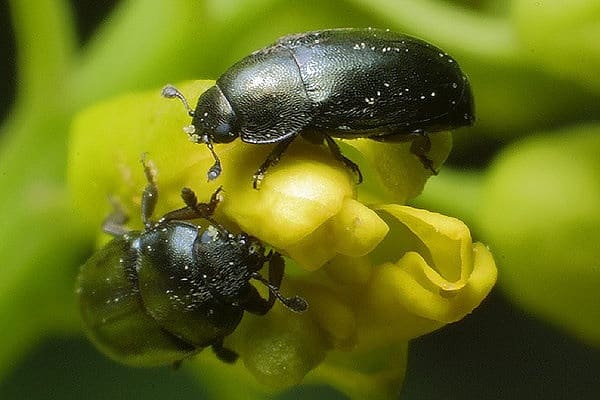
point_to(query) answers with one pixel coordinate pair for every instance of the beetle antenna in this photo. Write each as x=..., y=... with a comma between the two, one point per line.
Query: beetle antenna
x=215, y=170
x=171, y=92
x=296, y=303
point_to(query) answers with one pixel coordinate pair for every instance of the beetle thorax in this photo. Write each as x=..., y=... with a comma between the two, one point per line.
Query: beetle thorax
x=214, y=117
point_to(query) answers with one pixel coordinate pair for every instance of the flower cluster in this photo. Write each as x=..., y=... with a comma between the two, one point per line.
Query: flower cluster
x=374, y=274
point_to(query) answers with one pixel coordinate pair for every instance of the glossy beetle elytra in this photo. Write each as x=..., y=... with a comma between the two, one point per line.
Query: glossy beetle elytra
x=160, y=295
x=344, y=83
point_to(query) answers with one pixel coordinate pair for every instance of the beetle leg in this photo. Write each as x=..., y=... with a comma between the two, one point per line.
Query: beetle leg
x=420, y=147
x=193, y=209
x=150, y=193
x=272, y=159
x=114, y=223
x=223, y=353
x=258, y=305
x=337, y=153
x=255, y=304
x=276, y=269
x=215, y=170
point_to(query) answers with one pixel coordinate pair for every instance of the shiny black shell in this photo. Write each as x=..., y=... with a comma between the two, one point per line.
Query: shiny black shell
x=349, y=82
x=160, y=295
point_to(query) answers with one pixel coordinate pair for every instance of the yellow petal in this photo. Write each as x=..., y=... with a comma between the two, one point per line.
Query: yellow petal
x=391, y=171
x=354, y=231
x=439, y=277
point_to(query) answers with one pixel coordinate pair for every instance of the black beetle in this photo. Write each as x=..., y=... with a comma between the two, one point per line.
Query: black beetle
x=345, y=83
x=157, y=296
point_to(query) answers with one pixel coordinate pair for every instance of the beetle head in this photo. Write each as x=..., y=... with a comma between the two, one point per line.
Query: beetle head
x=212, y=121
x=214, y=118
x=251, y=250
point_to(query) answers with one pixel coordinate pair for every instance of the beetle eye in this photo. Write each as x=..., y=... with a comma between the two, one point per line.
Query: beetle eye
x=254, y=247
x=223, y=128
x=222, y=133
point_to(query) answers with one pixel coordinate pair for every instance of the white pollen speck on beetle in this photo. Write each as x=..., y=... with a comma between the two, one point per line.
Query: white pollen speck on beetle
x=386, y=84
x=212, y=232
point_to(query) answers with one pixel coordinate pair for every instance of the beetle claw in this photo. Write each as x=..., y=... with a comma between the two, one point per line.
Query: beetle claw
x=257, y=180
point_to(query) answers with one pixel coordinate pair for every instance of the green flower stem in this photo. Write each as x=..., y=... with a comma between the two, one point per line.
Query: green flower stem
x=140, y=42
x=45, y=38
x=30, y=139
x=483, y=37
x=39, y=242
x=454, y=192
x=40, y=260
x=179, y=39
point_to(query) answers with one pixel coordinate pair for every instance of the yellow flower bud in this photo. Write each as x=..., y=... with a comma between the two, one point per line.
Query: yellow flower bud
x=391, y=273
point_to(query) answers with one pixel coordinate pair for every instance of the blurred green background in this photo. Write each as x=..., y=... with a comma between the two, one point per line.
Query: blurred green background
x=525, y=179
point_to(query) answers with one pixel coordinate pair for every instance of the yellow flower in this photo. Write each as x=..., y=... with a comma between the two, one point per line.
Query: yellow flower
x=374, y=276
